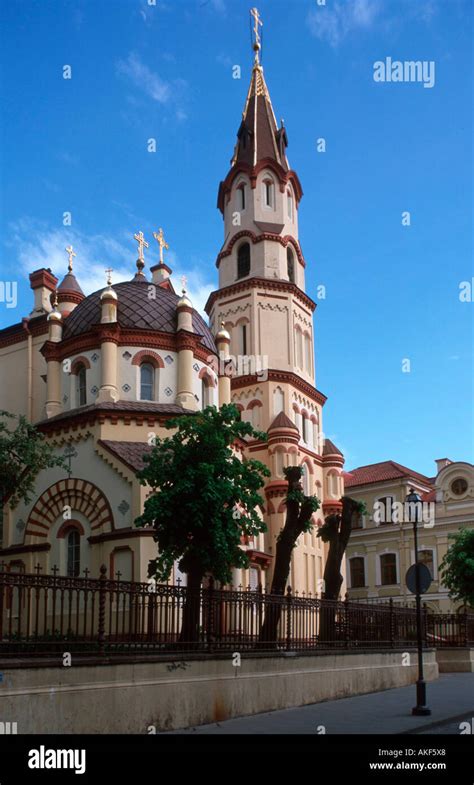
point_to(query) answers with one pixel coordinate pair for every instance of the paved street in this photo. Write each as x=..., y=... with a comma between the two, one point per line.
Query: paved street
x=451, y=699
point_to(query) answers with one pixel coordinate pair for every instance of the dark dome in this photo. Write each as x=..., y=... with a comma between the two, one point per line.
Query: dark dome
x=136, y=310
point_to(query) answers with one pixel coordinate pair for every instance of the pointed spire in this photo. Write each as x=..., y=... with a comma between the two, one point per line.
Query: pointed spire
x=259, y=136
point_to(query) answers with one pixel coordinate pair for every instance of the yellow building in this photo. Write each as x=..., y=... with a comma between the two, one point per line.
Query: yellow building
x=101, y=373
x=381, y=547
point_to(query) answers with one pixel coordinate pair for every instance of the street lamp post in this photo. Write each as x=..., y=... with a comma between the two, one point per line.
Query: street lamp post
x=421, y=709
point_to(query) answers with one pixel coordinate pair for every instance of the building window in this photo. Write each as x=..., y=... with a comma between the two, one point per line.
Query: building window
x=290, y=261
x=426, y=557
x=147, y=373
x=81, y=386
x=357, y=520
x=357, y=568
x=307, y=352
x=289, y=202
x=268, y=193
x=205, y=393
x=459, y=486
x=384, y=510
x=241, y=197
x=388, y=569
x=243, y=333
x=243, y=260
x=304, y=428
x=73, y=553
x=299, y=347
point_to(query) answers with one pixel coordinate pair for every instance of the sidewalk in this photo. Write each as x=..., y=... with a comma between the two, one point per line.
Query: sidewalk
x=451, y=697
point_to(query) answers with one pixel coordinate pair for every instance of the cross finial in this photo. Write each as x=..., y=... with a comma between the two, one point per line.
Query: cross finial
x=184, y=281
x=109, y=272
x=142, y=243
x=160, y=239
x=71, y=256
x=257, y=23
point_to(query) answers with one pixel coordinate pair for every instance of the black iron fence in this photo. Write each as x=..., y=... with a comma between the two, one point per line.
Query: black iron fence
x=52, y=614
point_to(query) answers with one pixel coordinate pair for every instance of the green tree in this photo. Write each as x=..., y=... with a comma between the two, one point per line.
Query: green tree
x=299, y=511
x=24, y=453
x=458, y=566
x=204, y=501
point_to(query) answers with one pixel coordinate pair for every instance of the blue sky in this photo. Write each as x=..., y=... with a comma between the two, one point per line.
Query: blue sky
x=141, y=71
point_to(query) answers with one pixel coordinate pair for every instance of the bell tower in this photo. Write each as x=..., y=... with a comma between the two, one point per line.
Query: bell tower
x=262, y=303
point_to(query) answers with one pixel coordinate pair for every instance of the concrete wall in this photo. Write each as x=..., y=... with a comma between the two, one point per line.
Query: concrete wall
x=455, y=660
x=128, y=698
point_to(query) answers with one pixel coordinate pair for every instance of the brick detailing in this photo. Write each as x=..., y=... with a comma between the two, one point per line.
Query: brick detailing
x=81, y=496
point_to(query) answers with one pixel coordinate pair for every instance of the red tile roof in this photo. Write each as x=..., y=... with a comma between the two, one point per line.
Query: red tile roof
x=330, y=448
x=380, y=472
x=130, y=453
x=282, y=421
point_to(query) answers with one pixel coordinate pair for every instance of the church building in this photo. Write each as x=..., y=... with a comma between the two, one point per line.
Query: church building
x=100, y=375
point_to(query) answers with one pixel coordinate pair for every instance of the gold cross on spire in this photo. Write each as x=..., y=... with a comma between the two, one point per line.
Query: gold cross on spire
x=257, y=23
x=160, y=239
x=71, y=255
x=109, y=272
x=142, y=243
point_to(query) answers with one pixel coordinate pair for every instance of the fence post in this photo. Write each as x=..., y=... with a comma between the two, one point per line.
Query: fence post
x=425, y=624
x=210, y=615
x=289, y=599
x=101, y=636
x=466, y=628
x=391, y=622
x=346, y=621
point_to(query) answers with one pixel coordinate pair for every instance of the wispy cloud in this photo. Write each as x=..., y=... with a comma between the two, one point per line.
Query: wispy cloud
x=144, y=78
x=337, y=20
x=94, y=254
x=332, y=23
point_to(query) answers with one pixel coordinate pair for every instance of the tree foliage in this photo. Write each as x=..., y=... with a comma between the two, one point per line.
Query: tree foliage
x=204, y=497
x=458, y=566
x=24, y=453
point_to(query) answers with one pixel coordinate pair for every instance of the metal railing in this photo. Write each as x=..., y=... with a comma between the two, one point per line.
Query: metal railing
x=52, y=614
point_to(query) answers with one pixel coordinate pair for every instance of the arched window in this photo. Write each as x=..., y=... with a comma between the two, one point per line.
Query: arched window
x=241, y=197
x=289, y=201
x=299, y=347
x=205, y=397
x=304, y=428
x=147, y=378
x=73, y=553
x=243, y=339
x=306, y=482
x=268, y=193
x=243, y=260
x=357, y=571
x=290, y=263
x=307, y=352
x=81, y=386
x=278, y=400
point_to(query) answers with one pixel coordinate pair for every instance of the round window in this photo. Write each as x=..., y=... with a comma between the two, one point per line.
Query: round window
x=459, y=486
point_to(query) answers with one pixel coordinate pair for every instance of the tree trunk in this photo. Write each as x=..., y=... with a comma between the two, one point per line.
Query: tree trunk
x=192, y=606
x=342, y=527
x=297, y=517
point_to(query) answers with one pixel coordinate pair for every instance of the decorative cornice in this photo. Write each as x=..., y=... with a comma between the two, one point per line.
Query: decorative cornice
x=149, y=339
x=120, y=534
x=259, y=238
x=274, y=284
x=19, y=332
x=287, y=377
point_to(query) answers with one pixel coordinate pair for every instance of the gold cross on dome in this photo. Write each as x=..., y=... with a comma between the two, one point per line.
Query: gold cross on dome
x=184, y=281
x=142, y=243
x=71, y=255
x=160, y=239
x=257, y=22
x=109, y=272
